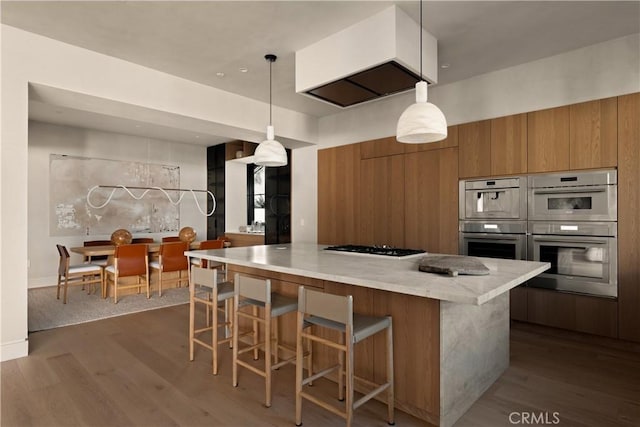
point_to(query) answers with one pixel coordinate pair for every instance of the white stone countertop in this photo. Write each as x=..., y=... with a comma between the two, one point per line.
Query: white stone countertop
x=379, y=272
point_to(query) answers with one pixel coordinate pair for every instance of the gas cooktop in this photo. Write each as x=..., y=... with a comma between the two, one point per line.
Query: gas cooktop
x=376, y=250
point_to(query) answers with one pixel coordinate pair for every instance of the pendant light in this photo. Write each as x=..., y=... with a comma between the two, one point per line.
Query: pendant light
x=421, y=122
x=270, y=152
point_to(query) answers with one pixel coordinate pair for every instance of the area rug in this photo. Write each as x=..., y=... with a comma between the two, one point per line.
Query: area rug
x=47, y=312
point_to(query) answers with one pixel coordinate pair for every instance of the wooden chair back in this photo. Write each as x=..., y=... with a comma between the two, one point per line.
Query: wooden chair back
x=212, y=244
x=172, y=257
x=170, y=239
x=64, y=260
x=131, y=260
x=96, y=243
x=145, y=240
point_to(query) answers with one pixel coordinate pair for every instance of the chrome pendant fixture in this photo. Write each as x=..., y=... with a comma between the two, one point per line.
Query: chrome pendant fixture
x=421, y=122
x=270, y=152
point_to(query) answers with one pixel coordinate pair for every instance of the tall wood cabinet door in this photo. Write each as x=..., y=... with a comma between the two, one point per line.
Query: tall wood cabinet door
x=548, y=140
x=450, y=141
x=338, y=200
x=381, y=147
x=593, y=134
x=629, y=216
x=509, y=145
x=382, y=201
x=474, y=143
x=431, y=200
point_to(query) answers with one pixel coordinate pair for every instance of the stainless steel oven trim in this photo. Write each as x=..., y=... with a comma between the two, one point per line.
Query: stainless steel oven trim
x=520, y=241
x=607, y=287
x=575, y=215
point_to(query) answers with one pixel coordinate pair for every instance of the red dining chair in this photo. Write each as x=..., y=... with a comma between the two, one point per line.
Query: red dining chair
x=128, y=261
x=172, y=260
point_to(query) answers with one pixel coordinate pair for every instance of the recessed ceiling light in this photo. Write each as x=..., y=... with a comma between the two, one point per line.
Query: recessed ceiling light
x=445, y=66
x=137, y=126
x=220, y=75
x=244, y=70
x=197, y=136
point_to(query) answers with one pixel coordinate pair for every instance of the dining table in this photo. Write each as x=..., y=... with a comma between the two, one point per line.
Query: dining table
x=91, y=251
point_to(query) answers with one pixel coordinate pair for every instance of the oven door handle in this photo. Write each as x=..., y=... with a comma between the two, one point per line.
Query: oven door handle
x=571, y=191
x=569, y=240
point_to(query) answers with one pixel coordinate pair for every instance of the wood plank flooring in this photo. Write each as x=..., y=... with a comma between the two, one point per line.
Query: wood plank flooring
x=134, y=370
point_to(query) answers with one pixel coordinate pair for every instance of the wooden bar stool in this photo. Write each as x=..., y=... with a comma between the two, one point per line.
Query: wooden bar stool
x=318, y=309
x=252, y=293
x=207, y=281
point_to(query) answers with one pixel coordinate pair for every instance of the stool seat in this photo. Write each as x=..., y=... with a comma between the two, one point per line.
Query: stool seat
x=280, y=304
x=363, y=326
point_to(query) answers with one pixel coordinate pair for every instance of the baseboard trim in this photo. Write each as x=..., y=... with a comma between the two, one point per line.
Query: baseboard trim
x=14, y=350
x=42, y=282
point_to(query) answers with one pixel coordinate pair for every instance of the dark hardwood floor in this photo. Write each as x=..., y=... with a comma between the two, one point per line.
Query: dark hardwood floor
x=134, y=370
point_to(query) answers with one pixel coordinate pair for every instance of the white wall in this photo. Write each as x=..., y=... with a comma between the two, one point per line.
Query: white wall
x=27, y=57
x=304, y=200
x=46, y=139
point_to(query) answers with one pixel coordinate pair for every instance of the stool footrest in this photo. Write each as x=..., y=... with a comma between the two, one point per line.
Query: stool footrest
x=324, y=404
x=251, y=368
x=319, y=374
x=369, y=395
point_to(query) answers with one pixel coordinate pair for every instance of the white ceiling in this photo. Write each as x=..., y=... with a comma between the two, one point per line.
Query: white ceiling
x=196, y=40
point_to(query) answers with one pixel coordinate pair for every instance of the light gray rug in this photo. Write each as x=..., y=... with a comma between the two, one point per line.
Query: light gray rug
x=47, y=312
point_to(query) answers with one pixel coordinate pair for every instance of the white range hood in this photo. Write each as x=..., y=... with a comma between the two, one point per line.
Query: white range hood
x=377, y=57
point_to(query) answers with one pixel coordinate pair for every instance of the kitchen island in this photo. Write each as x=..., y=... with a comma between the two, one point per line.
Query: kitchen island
x=451, y=334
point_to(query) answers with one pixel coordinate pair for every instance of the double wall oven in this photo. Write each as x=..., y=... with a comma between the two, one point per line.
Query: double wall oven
x=568, y=220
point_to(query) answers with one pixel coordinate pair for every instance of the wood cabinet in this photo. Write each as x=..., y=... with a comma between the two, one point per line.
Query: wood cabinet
x=431, y=200
x=239, y=149
x=381, y=148
x=593, y=134
x=548, y=140
x=450, y=141
x=338, y=194
x=245, y=239
x=518, y=303
x=592, y=315
x=381, y=221
x=474, y=142
x=629, y=216
x=509, y=145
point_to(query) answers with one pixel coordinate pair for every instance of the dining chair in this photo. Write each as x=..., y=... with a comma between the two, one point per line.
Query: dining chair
x=96, y=259
x=170, y=239
x=200, y=262
x=145, y=240
x=128, y=261
x=82, y=274
x=172, y=259
x=322, y=311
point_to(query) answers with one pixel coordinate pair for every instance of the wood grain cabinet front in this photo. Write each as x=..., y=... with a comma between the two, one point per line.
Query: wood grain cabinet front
x=548, y=140
x=593, y=134
x=509, y=145
x=474, y=143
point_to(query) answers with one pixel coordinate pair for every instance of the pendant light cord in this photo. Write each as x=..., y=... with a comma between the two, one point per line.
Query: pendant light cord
x=270, y=91
x=421, y=40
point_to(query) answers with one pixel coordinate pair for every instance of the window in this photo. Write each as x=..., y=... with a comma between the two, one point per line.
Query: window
x=255, y=194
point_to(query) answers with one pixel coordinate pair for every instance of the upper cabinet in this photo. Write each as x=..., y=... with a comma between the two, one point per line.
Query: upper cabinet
x=450, y=141
x=509, y=145
x=548, y=140
x=338, y=194
x=381, y=147
x=593, y=134
x=474, y=142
